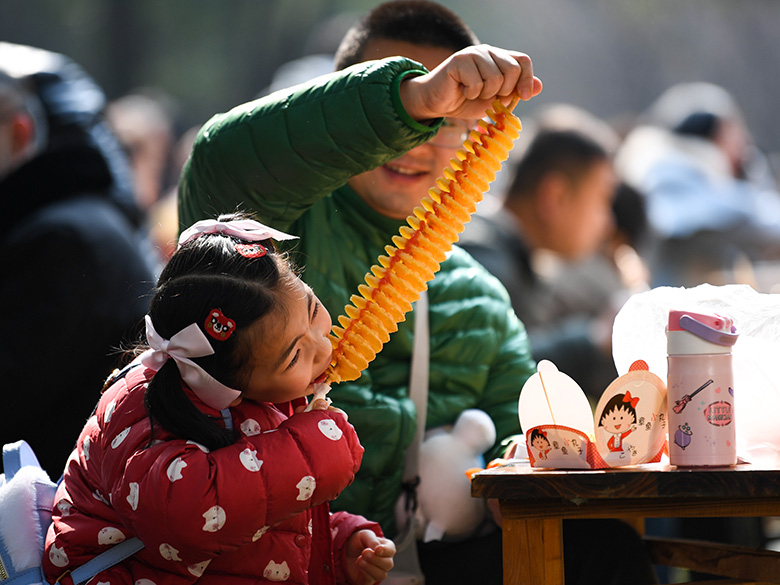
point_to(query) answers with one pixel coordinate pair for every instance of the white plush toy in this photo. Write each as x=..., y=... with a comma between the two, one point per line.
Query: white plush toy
x=444, y=494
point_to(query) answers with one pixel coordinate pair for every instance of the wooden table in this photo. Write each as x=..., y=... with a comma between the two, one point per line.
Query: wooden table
x=534, y=502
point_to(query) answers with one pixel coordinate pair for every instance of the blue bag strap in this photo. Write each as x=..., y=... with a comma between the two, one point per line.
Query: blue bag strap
x=31, y=575
x=105, y=560
x=17, y=455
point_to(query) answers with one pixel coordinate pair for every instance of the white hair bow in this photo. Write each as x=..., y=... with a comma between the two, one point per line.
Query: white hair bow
x=246, y=229
x=188, y=343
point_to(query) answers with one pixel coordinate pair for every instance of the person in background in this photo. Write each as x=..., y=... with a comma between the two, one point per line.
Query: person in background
x=143, y=123
x=76, y=265
x=342, y=161
x=712, y=204
x=557, y=213
x=163, y=214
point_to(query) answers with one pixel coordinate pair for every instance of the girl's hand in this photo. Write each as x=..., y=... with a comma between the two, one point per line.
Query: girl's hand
x=369, y=557
x=466, y=83
x=320, y=404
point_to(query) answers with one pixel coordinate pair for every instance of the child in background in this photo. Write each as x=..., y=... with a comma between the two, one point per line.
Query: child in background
x=204, y=448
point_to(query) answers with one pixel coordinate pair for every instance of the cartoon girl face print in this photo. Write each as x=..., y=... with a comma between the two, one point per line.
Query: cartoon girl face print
x=618, y=421
x=215, y=519
x=306, y=488
x=541, y=443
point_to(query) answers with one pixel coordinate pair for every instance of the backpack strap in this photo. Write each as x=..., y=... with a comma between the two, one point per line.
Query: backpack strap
x=31, y=575
x=105, y=560
x=17, y=455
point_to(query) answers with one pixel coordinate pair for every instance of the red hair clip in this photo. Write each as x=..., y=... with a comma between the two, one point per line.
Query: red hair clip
x=219, y=326
x=251, y=250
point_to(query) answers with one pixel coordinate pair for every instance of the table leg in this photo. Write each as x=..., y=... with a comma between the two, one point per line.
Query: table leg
x=533, y=551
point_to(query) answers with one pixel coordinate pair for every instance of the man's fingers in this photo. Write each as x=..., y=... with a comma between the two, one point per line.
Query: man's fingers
x=487, y=72
x=471, y=79
x=509, y=74
x=527, y=85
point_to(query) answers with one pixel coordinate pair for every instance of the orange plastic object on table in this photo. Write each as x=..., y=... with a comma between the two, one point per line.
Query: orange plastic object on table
x=399, y=278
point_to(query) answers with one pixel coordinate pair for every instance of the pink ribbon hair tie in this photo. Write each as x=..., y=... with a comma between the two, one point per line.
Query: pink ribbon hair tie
x=245, y=229
x=188, y=343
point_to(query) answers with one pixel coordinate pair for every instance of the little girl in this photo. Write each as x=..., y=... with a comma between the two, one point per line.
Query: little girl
x=204, y=448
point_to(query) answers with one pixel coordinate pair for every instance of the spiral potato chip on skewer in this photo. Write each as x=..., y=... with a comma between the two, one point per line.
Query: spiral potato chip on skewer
x=396, y=282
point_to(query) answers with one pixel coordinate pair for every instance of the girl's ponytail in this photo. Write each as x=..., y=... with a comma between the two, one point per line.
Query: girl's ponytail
x=167, y=404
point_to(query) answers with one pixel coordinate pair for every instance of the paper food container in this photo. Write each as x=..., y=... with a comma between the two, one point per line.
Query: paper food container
x=561, y=431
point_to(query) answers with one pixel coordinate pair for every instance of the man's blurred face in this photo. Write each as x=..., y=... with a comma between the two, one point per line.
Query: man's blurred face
x=585, y=219
x=5, y=147
x=396, y=188
x=15, y=142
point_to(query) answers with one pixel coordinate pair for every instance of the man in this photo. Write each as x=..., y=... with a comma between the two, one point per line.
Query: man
x=75, y=278
x=479, y=353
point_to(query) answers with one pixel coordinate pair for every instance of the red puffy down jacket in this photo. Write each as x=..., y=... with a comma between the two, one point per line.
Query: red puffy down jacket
x=253, y=512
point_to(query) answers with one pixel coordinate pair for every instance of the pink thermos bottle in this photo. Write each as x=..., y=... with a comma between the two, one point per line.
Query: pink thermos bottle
x=700, y=386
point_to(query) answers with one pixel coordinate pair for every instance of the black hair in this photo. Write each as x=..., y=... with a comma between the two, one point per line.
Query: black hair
x=700, y=124
x=209, y=273
x=567, y=152
x=630, y=212
x=615, y=403
x=537, y=434
x=420, y=22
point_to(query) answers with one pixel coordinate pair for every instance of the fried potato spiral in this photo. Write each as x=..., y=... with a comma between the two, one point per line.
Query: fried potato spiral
x=392, y=285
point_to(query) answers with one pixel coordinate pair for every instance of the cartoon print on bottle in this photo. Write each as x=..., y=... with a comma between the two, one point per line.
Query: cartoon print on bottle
x=679, y=405
x=683, y=435
x=619, y=420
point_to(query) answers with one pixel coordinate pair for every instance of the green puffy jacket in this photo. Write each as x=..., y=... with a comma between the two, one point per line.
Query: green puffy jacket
x=287, y=158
